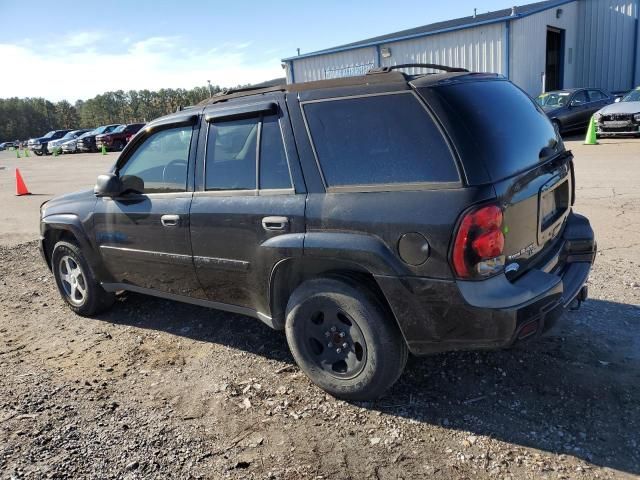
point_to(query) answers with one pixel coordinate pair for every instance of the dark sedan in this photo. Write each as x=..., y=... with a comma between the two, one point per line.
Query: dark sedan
x=572, y=109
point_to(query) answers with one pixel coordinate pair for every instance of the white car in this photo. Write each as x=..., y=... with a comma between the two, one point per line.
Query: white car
x=56, y=145
x=621, y=118
x=70, y=146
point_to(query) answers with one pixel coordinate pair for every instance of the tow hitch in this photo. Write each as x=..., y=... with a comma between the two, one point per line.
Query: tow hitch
x=581, y=297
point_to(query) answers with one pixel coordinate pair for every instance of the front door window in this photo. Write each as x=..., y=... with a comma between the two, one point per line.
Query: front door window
x=159, y=165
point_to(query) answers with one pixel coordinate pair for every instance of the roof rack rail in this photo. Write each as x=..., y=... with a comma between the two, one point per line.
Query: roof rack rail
x=433, y=66
x=276, y=82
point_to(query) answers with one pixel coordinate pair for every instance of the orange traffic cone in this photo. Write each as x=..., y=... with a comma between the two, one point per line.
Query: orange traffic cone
x=21, y=188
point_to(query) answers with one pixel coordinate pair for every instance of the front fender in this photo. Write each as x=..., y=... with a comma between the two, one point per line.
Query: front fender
x=52, y=226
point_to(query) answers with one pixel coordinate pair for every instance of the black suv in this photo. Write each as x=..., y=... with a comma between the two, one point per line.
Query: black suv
x=368, y=217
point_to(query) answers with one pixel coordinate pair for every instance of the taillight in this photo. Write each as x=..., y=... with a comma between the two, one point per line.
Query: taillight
x=479, y=243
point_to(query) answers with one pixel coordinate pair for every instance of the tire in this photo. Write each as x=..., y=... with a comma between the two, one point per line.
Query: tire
x=119, y=146
x=318, y=313
x=37, y=153
x=68, y=261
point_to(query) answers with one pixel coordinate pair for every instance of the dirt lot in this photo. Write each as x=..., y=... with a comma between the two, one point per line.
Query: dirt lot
x=156, y=389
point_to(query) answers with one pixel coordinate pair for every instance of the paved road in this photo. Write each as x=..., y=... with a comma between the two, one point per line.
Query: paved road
x=46, y=177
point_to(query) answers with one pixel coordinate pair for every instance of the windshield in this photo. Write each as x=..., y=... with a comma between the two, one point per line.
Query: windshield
x=69, y=136
x=99, y=130
x=555, y=99
x=50, y=134
x=110, y=128
x=120, y=129
x=633, y=96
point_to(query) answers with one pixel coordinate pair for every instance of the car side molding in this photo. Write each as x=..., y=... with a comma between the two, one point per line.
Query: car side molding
x=116, y=287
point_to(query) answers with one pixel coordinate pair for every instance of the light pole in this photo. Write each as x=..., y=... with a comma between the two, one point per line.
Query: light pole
x=210, y=89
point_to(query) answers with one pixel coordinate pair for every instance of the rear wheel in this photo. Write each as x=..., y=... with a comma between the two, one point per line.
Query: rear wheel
x=341, y=336
x=76, y=282
x=119, y=145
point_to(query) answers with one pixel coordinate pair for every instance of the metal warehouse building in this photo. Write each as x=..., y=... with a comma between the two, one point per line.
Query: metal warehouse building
x=541, y=46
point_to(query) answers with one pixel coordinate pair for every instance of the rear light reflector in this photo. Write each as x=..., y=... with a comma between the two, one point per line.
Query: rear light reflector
x=479, y=243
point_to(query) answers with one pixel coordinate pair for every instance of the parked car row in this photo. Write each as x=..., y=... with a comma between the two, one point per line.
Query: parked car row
x=572, y=109
x=113, y=137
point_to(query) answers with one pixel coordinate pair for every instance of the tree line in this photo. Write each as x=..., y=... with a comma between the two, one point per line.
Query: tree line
x=23, y=118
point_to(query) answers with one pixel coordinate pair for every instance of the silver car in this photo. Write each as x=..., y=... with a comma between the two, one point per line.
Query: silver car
x=71, y=136
x=621, y=118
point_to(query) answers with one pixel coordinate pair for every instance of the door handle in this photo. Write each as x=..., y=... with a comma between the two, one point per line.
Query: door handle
x=278, y=224
x=170, y=220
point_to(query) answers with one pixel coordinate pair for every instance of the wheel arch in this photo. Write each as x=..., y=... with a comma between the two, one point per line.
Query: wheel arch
x=68, y=227
x=290, y=273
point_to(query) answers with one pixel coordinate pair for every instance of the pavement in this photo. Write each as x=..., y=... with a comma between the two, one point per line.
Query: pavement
x=45, y=177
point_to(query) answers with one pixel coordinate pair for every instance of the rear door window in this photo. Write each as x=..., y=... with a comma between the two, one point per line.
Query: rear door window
x=378, y=140
x=274, y=168
x=232, y=155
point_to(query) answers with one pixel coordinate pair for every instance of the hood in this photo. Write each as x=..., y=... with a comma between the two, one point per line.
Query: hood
x=69, y=142
x=65, y=203
x=621, y=107
x=37, y=140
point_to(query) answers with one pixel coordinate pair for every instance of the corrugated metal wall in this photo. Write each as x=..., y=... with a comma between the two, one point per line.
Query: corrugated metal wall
x=331, y=65
x=479, y=49
x=599, y=49
x=528, y=46
x=606, y=34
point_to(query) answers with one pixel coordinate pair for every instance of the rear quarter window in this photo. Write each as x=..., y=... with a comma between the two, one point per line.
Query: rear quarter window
x=378, y=140
x=493, y=122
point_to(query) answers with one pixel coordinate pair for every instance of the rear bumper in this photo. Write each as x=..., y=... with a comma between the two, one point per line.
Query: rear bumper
x=443, y=315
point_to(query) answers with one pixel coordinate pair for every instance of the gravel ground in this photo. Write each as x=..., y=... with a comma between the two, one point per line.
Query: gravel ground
x=156, y=389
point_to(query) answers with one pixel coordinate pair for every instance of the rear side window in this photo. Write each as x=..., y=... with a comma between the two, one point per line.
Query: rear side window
x=495, y=123
x=378, y=140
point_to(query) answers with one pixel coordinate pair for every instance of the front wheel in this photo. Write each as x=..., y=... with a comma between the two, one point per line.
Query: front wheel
x=76, y=282
x=344, y=339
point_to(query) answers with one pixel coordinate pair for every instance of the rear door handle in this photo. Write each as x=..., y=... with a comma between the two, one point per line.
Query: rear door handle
x=277, y=224
x=170, y=220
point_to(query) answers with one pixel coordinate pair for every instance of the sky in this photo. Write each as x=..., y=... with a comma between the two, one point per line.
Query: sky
x=75, y=50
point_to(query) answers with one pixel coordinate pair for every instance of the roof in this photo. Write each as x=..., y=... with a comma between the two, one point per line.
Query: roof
x=376, y=78
x=441, y=27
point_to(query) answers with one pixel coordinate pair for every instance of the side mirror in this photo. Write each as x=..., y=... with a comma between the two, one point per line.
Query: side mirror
x=108, y=185
x=132, y=183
